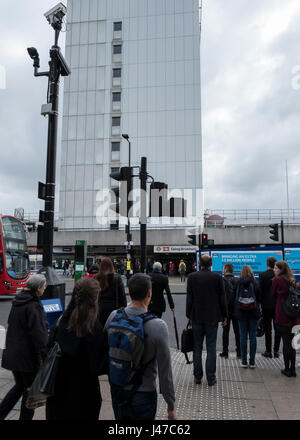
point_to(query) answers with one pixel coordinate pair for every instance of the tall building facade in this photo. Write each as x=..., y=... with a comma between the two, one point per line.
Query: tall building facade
x=135, y=70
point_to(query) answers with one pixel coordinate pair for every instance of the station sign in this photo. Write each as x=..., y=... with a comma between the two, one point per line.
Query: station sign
x=175, y=249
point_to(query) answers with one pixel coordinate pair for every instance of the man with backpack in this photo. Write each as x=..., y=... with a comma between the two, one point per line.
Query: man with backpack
x=138, y=351
x=230, y=290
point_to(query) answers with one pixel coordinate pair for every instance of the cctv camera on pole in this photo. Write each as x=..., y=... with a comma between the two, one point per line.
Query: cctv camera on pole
x=58, y=67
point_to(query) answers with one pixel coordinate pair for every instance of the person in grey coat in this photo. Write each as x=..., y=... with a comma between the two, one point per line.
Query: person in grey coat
x=26, y=344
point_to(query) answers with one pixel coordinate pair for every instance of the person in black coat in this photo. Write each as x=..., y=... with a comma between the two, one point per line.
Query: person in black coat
x=160, y=283
x=26, y=344
x=230, y=289
x=205, y=307
x=112, y=293
x=84, y=349
x=268, y=309
x=247, y=319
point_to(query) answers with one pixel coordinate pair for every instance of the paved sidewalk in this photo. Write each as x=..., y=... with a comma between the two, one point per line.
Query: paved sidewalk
x=239, y=394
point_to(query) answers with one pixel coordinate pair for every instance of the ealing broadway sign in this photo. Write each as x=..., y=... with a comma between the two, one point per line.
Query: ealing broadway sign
x=175, y=249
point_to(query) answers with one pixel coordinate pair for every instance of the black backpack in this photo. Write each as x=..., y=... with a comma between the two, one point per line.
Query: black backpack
x=291, y=305
x=246, y=299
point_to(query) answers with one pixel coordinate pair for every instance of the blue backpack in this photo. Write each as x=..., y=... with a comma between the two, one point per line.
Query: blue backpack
x=246, y=299
x=126, y=339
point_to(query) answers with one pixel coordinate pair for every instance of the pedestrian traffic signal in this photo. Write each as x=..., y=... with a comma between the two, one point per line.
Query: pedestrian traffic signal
x=204, y=240
x=274, y=235
x=192, y=239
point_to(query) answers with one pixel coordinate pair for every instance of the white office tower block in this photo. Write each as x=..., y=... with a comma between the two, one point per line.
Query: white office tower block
x=135, y=70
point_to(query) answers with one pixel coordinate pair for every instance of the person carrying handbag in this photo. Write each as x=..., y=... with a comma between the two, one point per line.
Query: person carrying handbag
x=26, y=344
x=77, y=394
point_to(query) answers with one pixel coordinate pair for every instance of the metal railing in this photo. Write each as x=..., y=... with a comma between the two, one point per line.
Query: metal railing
x=251, y=216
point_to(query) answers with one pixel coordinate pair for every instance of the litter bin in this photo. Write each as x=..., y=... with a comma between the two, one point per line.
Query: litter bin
x=53, y=309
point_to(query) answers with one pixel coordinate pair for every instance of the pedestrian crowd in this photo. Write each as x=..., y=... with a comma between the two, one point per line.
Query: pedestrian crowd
x=249, y=305
x=99, y=334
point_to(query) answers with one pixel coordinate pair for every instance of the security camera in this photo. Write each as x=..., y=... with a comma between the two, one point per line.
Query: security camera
x=55, y=15
x=34, y=55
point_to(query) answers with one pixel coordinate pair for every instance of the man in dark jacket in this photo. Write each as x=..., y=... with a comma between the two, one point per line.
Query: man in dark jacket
x=230, y=291
x=26, y=344
x=268, y=309
x=160, y=283
x=205, y=307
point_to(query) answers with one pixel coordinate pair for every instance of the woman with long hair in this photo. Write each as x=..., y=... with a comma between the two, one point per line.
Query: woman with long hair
x=83, y=345
x=247, y=312
x=281, y=283
x=112, y=293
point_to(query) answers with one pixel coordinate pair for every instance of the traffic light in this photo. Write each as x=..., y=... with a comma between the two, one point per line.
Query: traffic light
x=274, y=235
x=204, y=239
x=192, y=240
x=158, y=198
x=122, y=205
x=177, y=207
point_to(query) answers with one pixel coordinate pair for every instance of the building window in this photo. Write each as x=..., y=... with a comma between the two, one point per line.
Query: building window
x=116, y=121
x=115, y=146
x=115, y=151
x=117, y=73
x=118, y=26
x=117, y=49
x=116, y=96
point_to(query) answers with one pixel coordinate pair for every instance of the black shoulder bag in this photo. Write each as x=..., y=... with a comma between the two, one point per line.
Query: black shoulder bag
x=44, y=383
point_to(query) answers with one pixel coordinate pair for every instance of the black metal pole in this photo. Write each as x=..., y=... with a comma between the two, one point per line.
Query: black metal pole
x=282, y=239
x=51, y=159
x=143, y=214
x=200, y=247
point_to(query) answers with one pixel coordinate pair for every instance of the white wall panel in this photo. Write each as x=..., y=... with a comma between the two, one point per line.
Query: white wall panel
x=93, y=9
x=70, y=178
x=81, y=126
x=75, y=39
x=79, y=177
x=82, y=97
x=82, y=82
x=88, y=203
x=89, y=178
x=99, y=129
x=99, y=152
x=89, y=152
x=74, y=56
x=98, y=177
x=90, y=127
x=72, y=127
x=91, y=80
x=71, y=154
x=69, y=207
x=80, y=152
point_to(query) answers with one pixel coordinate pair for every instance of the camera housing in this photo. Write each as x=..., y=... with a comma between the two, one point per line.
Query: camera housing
x=55, y=15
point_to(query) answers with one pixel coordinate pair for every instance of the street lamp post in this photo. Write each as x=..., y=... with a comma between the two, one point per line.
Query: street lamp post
x=128, y=233
x=57, y=67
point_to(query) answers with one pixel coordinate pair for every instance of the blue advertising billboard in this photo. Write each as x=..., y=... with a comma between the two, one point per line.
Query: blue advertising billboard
x=256, y=260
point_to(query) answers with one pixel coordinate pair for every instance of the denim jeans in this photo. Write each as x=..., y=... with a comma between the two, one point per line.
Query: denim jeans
x=210, y=333
x=142, y=405
x=248, y=327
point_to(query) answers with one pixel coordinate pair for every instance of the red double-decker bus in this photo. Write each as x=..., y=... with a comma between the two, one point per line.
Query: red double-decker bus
x=14, y=260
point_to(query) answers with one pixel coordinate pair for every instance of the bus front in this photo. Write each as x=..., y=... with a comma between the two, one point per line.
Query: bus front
x=14, y=260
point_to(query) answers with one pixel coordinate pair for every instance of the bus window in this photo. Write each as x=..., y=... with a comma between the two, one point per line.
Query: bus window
x=1, y=263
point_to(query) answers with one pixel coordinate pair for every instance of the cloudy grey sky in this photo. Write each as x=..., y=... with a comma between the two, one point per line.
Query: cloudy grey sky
x=250, y=120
